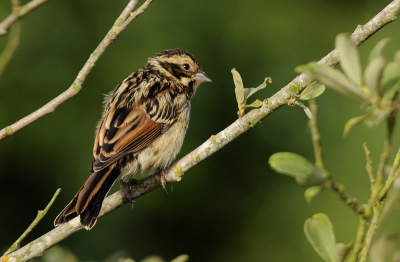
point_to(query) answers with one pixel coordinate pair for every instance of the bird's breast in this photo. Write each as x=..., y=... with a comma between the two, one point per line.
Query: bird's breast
x=160, y=153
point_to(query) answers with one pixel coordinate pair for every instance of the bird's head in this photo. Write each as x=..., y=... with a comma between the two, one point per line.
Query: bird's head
x=181, y=65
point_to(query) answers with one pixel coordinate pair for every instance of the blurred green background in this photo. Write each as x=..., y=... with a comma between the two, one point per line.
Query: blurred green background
x=230, y=207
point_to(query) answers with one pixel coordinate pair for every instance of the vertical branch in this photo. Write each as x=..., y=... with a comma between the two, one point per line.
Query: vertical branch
x=393, y=175
x=383, y=162
x=368, y=166
x=358, y=242
x=379, y=190
x=11, y=47
x=352, y=202
x=377, y=209
x=315, y=136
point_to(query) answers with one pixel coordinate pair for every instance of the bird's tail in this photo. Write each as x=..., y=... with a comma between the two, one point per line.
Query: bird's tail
x=88, y=200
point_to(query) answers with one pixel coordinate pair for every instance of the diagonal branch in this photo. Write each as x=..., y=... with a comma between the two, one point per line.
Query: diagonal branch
x=120, y=24
x=213, y=144
x=18, y=12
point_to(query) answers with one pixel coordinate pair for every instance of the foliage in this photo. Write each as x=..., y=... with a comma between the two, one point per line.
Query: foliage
x=243, y=94
x=378, y=91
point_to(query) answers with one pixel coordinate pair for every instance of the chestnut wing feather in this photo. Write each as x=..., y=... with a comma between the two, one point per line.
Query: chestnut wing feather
x=123, y=131
x=126, y=130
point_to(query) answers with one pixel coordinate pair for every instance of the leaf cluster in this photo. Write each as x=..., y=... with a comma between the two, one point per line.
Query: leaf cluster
x=377, y=87
x=243, y=94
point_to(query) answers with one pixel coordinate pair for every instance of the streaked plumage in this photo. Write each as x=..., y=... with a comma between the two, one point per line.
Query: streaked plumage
x=141, y=131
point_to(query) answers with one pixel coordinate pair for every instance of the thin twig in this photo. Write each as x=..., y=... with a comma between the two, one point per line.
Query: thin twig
x=133, y=15
x=9, y=50
x=377, y=209
x=368, y=166
x=352, y=202
x=40, y=215
x=315, y=136
x=113, y=33
x=359, y=239
x=329, y=182
x=394, y=174
x=371, y=209
x=18, y=12
x=383, y=162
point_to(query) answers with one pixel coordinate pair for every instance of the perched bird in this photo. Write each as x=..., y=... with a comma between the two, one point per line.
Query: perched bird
x=141, y=131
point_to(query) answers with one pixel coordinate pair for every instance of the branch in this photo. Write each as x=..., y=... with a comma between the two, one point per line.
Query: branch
x=18, y=12
x=213, y=144
x=40, y=215
x=11, y=47
x=120, y=24
x=329, y=182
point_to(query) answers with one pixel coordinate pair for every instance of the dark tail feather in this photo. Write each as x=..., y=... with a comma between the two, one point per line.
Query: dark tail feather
x=68, y=213
x=88, y=200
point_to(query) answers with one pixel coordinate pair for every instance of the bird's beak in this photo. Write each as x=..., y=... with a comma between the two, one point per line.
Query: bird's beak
x=201, y=77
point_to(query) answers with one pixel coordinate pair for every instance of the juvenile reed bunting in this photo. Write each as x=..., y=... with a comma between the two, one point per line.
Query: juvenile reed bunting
x=141, y=131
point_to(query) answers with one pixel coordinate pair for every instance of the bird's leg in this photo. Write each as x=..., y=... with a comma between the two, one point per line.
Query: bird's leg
x=126, y=187
x=162, y=179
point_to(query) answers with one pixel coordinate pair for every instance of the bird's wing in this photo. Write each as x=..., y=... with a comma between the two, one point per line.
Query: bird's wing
x=126, y=130
x=123, y=131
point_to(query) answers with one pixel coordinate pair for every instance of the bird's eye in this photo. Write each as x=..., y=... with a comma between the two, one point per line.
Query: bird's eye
x=186, y=66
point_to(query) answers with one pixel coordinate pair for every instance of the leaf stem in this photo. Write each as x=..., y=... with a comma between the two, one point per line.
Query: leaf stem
x=359, y=240
x=368, y=166
x=377, y=209
x=329, y=182
x=315, y=135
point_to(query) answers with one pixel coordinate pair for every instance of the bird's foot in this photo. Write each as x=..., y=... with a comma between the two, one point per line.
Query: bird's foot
x=127, y=189
x=163, y=181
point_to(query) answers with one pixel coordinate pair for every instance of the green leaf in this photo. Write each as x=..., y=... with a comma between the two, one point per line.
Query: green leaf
x=295, y=88
x=378, y=49
x=351, y=123
x=373, y=74
x=389, y=95
x=239, y=90
x=257, y=103
x=319, y=232
x=391, y=75
x=383, y=246
x=390, y=81
x=296, y=166
x=377, y=118
x=291, y=164
x=312, y=91
x=252, y=90
x=332, y=78
x=311, y=192
x=349, y=58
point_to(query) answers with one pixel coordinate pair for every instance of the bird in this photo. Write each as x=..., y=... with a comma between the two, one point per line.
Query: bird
x=141, y=131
